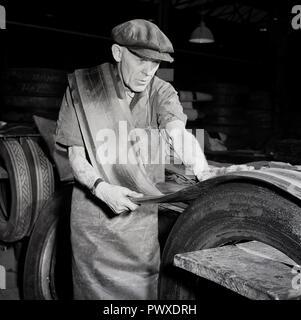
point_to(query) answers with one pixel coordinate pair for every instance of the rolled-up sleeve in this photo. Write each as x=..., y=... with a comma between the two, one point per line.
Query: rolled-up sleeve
x=67, y=129
x=169, y=107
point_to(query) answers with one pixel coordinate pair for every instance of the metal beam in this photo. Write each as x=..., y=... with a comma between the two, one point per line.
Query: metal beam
x=34, y=26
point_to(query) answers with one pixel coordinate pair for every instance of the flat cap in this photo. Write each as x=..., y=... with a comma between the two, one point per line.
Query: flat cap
x=143, y=38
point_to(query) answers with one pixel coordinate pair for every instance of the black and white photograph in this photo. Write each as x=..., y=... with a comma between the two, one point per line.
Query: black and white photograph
x=150, y=153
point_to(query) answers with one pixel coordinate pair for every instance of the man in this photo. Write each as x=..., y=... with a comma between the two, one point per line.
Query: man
x=115, y=241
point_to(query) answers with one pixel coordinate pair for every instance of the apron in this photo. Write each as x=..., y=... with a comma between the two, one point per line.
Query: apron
x=118, y=256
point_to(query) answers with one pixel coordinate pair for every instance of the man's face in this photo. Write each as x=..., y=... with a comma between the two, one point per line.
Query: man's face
x=136, y=72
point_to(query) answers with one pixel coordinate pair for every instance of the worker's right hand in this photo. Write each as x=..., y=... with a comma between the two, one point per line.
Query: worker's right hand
x=116, y=197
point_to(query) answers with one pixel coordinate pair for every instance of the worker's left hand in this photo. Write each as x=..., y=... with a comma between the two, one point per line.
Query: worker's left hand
x=216, y=171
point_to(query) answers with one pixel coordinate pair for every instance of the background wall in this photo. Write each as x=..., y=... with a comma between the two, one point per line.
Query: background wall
x=259, y=57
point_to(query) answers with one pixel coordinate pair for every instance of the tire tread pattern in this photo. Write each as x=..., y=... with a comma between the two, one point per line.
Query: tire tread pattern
x=43, y=183
x=20, y=183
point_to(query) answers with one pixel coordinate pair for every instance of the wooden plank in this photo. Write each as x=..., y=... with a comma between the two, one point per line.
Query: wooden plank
x=265, y=251
x=259, y=276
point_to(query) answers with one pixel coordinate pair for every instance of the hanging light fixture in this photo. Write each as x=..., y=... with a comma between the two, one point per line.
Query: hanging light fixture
x=201, y=34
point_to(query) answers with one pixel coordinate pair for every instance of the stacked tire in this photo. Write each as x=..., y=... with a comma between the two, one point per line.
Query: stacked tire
x=191, y=102
x=29, y=185
x=260, y=120
x=226, y=113
x=28, y=91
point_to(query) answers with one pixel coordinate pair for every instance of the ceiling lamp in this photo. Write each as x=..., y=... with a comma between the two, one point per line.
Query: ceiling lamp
x=201, y=34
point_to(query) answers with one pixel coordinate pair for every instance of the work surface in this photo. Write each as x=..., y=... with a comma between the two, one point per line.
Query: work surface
x=252, y=269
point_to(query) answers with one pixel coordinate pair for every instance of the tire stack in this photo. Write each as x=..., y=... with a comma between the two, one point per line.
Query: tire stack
x=29, y=91
x=292, y=120
x=288, y=150
x=29, y=183
x=259, y=115
x=191, y=102
x=226, y=113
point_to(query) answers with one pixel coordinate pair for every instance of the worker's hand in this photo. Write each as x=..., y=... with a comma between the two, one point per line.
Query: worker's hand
x=217, y=171
x=116, y=197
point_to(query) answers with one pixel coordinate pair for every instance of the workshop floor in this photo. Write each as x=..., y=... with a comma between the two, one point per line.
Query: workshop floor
x=8, y=274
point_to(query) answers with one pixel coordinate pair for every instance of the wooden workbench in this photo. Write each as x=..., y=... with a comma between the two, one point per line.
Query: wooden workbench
x=252, y=269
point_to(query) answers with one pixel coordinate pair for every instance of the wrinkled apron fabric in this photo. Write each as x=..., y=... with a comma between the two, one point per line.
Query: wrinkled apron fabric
x=116, y=256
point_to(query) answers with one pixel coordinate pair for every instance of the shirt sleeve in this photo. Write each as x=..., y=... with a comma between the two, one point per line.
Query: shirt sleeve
x=67, y=129
x=168, y=104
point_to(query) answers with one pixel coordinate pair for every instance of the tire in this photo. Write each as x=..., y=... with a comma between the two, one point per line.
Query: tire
x=33, y=89
x=228, y=213
x=34, y=75
x=24, y=102
x=29, y=91
x=212, y=111
x=232, y=131
x=22, y=108
x=42, y=177
x=47, y=268
x=237, y=120
x=14, y=225
x=14, y=115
